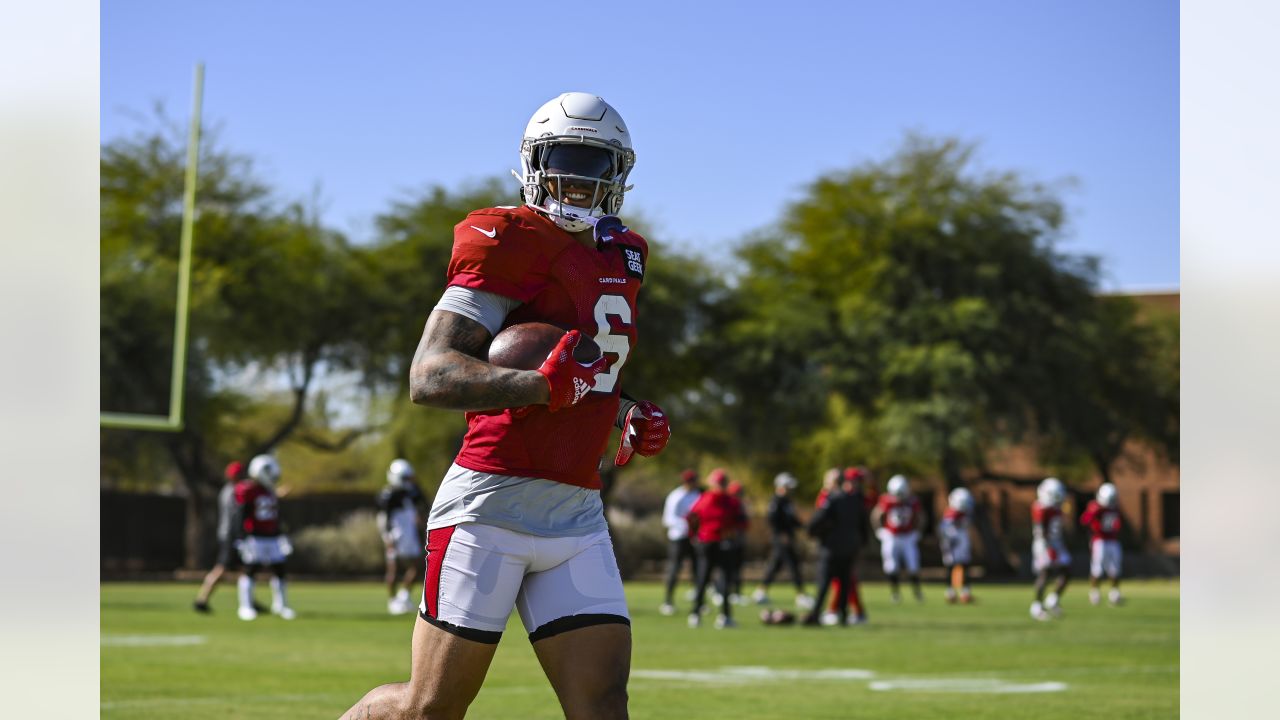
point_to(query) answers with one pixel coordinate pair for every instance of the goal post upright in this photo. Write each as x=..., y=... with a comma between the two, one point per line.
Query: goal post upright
x=177, y=378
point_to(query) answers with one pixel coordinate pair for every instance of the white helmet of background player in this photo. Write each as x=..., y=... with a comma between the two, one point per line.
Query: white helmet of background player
x=1107, y=495
x=576, y=139
x=400, y=472
x=960, y=500
x=899, y=487
x=264, y=470
x=1051, y=492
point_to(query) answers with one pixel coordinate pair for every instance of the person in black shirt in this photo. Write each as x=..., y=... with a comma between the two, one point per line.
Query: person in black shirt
x=840, y=526
x=783, y=524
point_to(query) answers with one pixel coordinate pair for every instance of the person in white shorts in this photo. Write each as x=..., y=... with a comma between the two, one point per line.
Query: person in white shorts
x=517, y=521
x=261, y=544
x=402, y=537
x=953, y=536
x=1102, y=517
x=897, y=519
x=1049, y=555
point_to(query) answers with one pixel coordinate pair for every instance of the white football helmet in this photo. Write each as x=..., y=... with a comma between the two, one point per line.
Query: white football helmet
x=1107, y=495
x=960, y=500
x=1051, y=492
x=899, y=487
x=264, y=470
x=400, y=472
x=575, y=141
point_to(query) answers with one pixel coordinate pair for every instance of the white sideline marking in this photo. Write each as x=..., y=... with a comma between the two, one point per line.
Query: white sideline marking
x=152, y=640
x=740, y=674
x=235, y=700
x=963, y=685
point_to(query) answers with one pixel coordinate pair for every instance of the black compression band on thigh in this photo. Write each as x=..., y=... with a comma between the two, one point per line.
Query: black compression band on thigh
x=575, y=622
x=488, y=637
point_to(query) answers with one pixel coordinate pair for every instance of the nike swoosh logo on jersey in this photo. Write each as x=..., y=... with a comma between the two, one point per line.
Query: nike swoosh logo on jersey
x=490, y=233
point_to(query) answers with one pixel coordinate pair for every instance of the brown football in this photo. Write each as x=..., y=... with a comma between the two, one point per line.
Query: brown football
x=526, y=345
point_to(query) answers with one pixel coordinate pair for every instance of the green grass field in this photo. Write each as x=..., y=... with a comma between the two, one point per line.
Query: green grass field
x=988, y=660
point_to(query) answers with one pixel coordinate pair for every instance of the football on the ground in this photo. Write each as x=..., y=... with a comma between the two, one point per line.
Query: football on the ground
x=526, y=345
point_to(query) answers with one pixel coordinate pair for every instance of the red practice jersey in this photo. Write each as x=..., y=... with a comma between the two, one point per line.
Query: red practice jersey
x=260, y=508
x=1103, y=523
x=717, y=515
x=519, y=254
x=1046, y=523
x=899, y=516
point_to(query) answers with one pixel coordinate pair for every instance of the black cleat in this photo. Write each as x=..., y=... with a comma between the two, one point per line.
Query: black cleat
x=201, y=607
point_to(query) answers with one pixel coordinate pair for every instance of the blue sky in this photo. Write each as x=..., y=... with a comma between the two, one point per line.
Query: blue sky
x=734, y=108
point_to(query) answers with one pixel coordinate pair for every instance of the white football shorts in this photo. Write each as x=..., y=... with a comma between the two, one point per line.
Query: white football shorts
x=957, y=550
x=1104, y=558
x=477, y=573
x=900, y=552
x=258, y=550
x=1040, y=559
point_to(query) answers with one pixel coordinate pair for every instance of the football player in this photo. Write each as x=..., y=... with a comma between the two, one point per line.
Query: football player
x=518, y=521
x=262, y=545
x=227, y=558
x=398, y=505
x=897, y=519
x=953, y=535
x=717, y=521
x=783, y=523
x=1049, y=554
x=1102, y=517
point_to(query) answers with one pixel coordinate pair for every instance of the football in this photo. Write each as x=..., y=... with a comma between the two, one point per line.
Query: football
x=526, y=345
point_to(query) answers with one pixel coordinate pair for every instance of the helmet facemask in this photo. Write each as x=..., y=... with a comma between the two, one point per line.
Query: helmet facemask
x=575, y=180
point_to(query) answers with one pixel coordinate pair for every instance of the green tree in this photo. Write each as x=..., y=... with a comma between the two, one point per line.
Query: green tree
x=272, y=293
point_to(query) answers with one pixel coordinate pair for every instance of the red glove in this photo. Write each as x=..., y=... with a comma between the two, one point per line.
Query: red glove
x=568, y=379
x=645, y=431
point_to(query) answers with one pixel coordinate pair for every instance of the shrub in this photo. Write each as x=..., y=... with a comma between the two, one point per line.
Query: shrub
x=352, y=546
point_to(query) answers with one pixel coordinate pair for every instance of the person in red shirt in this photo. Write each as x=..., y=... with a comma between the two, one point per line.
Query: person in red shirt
x=1102, y=517
x=716, y=522
x=897, y=520
x=1049, y=555
x=518, y=522
x=261, y=543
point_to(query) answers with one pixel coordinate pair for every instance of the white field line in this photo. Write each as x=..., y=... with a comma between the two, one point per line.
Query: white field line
x=152, y=640
x=221, y=700
x=741, y=675
x=993, y=686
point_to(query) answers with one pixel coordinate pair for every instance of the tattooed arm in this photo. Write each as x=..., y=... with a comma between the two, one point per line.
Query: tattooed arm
x=448, y=371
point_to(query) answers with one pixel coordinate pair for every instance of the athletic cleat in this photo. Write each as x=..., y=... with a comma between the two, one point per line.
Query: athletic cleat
x=1114, y=598
x=951, y=597
x=966, y=599
x=736, y=599
x=716, y=598
x=284, y=611
x=1038, y=613
x=856, y=620
x=760, y=596
x=695, y=620
x=201, y=607
x=829, y=618
x=723, y=622
x=1095, y=597
x=247, y=613
x=666, y=609
x=804, y=602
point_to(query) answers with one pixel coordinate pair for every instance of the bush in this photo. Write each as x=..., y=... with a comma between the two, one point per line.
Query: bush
x=352, y=546
x=636, y=541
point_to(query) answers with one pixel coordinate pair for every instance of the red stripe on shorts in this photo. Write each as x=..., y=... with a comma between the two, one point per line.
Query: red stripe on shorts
x=437, y=542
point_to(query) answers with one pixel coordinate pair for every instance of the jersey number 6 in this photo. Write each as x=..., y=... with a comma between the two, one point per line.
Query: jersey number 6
x=616, y=306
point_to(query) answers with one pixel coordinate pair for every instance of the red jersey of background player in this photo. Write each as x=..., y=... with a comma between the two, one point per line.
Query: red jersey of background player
x=259, y=508
x=900, y=516
x=1046, y=524
x=1103, y=523
x=519, y=254
x=716, y=516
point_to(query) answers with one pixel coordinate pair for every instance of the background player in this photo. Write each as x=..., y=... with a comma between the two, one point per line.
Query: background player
x=783, y=523
x=227, y=557
x=716, y=521
x=897, y=519
x=402, y=535
x=1102, y=517
x=1049, y=554
x=262, y=545
x=953, y=536
x=679, y=544
x=840, y=527
x=518, y=520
